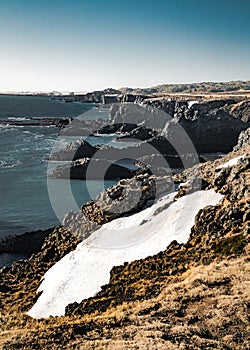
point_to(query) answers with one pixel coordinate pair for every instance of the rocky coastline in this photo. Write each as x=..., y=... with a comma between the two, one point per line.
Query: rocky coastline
x=135, y=292
x=161, y=298
x=57, y=122
x=213, y=126
x=180, y=131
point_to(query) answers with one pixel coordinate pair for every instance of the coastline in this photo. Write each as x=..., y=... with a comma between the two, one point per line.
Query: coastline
x=138, y=289
x=183, y=111
x=209, y=247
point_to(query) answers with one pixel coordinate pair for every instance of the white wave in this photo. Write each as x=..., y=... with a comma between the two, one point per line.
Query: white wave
x=6, y=165
x=18, y=118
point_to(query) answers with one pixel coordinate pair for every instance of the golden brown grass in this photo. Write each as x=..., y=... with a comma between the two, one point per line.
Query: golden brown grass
x=206, y=308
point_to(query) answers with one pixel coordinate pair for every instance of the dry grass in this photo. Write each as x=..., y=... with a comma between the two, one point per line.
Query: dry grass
x=206, y=308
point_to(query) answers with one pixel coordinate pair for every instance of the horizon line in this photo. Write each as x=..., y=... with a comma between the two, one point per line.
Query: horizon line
x=2, y=92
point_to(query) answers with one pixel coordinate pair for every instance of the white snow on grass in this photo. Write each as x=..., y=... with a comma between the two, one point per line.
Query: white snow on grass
x=82, y=272
x=231, y=162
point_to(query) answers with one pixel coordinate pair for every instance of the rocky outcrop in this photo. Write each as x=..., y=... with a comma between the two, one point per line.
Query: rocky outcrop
x=75, y=150
x=172, y=129
x=58, y=122
x=82, y=127
x=128, y=197
x=212, y=126
x=27, y=243
x=91, y=97
x=156, y=154
x=92, y=169
x=121, y=98
x=243, y=140
x=139, y=133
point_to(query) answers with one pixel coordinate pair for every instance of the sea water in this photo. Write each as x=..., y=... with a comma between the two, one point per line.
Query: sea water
x=24, y=200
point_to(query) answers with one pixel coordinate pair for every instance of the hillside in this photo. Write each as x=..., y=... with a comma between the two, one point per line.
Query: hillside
x=192, y=295
x=204, y=87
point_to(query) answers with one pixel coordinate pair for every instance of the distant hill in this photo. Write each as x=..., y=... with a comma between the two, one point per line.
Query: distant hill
x=209, y=87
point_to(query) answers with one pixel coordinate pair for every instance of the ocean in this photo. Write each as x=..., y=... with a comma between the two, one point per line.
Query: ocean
x=25, y=205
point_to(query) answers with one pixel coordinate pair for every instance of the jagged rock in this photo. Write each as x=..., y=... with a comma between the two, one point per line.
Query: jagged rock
x=241, y=110
x=128, y=197
x=139, y=133
x=243, y=140
x=212, y=126
x=75, y=150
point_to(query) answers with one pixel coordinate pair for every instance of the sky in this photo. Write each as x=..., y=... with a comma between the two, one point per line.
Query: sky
x=85, y=45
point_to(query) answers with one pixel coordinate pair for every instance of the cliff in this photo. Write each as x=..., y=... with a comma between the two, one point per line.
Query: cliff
x=191, y=295
x=212, y=126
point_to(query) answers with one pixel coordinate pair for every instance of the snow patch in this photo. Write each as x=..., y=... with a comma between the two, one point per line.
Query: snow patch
x=231, y=162
x=82, y=272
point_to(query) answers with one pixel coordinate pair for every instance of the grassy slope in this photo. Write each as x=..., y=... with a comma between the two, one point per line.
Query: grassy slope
x=203, y=304
x=205, y=87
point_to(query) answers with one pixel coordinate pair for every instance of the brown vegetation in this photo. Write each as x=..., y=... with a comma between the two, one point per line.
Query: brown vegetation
x=190, y=296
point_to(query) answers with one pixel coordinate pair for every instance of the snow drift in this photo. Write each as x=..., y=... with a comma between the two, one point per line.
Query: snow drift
x=82, y=272
x=231, y=162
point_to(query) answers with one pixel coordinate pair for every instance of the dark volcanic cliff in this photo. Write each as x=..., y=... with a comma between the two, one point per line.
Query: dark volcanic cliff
x=212, y=126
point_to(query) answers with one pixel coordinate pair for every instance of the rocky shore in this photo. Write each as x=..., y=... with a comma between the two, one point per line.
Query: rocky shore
x=170, y=133
x=58, y=122
x=212, y=126
x=183, y=297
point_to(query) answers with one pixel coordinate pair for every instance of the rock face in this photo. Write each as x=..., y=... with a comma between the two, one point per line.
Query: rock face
x=92, y=97
x=134, y=98
x=117, y=201
x=156, y=154
x=241, y=110
x=212, y=126
x=243, y=140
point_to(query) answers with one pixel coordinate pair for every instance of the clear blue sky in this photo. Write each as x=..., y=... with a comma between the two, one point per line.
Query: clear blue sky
x=93, y=44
